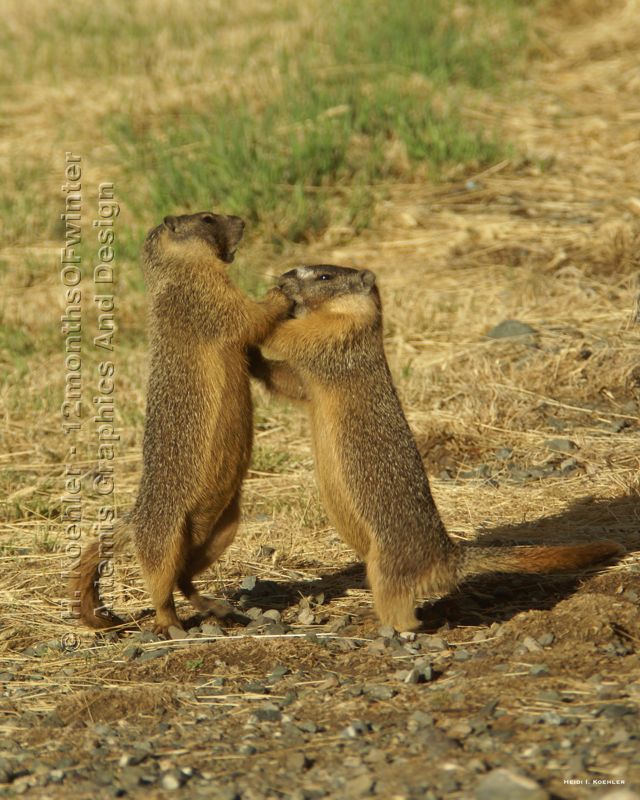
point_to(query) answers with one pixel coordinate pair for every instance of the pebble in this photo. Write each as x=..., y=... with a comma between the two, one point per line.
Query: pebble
x=268, y=713
x=359, y=786
x=277, y=629
x=560, y=445
x=503, y=784
x=379, y=692
x=433, y=642
x=418, y=720
x=171, y=781
x=273, y=614
x=531, y=644
x=504, y=453
x=249, y=583
x=615, y=710
x=296, y=761
x=546, y=639
x=511, y=328
x=131, y=652
x=461, y=655
x=355, y=729
x=149, y=655
x=306, y=617
x=174, y=632
x=539, y=670
x=211, y=629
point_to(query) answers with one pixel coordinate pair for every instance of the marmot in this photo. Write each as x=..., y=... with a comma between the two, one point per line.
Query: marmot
x=370, y=474
x=199, y=420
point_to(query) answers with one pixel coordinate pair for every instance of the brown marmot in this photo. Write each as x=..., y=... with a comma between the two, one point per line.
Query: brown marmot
x=199, y=421
x=370, y=474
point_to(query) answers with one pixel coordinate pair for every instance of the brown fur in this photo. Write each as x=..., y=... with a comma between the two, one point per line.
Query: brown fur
x=370, y=474
x=198, y=431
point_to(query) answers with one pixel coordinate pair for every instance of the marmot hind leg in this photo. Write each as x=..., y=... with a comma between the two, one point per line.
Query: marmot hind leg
x=162, y=556
x=393, y=599
x=202, y=556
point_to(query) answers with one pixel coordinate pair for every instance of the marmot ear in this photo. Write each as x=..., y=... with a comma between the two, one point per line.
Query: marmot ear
x=171, y=223
x=367, y=279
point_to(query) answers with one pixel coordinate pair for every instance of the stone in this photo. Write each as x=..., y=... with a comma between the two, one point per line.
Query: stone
x=355, y=729
x=539, y=670
x=511, y=329
x=503, y=784
x=149, y=655
x=211, y=629
x=561, y=445
x=306, y=617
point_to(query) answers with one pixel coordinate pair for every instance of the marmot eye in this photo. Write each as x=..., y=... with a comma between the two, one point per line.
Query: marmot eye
x=208, y=218
x=325, y=277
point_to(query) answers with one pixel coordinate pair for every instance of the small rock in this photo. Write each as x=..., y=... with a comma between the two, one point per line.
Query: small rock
x=131, y=652
x=296, y=761
x=502, y=784
x=307, y=725
x=546, y=639
x=177, y=633
x=171, y=781
x=57, y=775
x=539, y=670
x=355, y=729
x=211, y=629
x=379, y=692
x=359, y=786
x=615, y=711
x=247, y=750
x=278, y=672
x=273, y=614
x=504, y=453
x=460, y=730
x=386, y=632
x=461, y=655
x=433, y=643
x=266, y=551
x=561, y=445
x=249, y=583
x=568, y=465
x=531, y=644
x=268, y=713
x=419, y=720
x=149, y=655
x=510, y=329
x=277, y=629
x=149, y=636
x=306, y=617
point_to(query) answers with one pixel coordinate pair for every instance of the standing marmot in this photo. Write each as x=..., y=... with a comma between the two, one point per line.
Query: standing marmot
x=199, y=422
x=370, y=474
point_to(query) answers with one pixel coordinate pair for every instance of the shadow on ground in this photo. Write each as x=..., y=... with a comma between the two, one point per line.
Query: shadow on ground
x=496, y=597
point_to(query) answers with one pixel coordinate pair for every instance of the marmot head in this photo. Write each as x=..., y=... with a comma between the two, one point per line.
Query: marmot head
x=194, y=235
x=312, y=286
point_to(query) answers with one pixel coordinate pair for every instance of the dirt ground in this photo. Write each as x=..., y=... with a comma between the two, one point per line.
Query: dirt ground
x=526, y=439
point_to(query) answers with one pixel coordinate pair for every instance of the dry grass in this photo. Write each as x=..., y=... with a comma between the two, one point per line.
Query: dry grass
x=550, y=239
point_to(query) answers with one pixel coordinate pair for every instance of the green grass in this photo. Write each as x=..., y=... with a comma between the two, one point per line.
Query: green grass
x=372, y=100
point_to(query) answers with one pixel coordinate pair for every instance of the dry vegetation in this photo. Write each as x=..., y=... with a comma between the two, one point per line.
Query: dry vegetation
x=548, y=235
